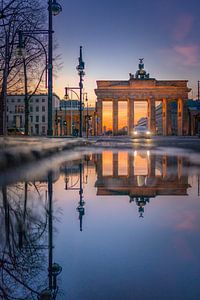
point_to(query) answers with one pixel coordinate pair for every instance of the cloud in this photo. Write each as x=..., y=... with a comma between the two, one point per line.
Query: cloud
x=185, y=55
x=188, y=54
x=182, y=27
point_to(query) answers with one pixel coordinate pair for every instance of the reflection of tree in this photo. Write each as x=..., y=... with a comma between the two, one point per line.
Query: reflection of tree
x=23, y=234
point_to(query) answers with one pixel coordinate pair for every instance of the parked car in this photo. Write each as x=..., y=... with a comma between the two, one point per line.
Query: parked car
x=141, y=132
x=15, y=131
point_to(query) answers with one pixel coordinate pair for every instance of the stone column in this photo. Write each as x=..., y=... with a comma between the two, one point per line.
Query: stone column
x=130, y=115
x=99, y=169
x=115, y=164
x=164, y=166
x=115, y=116
x=151, y=165
x=152, y=115
x=130, y=165
x=179, y=166
x=99, y=107
x=182, y=117
x=166, y=117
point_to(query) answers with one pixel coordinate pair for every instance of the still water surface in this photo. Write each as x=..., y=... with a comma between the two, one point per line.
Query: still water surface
x=122, y=225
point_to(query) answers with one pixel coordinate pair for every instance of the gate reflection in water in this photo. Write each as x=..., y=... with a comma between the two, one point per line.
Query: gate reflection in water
x=144, y=176
x=135, y=235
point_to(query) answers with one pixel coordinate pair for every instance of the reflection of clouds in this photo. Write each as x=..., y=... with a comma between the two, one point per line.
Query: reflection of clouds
x=184, y=248
x=189, y=221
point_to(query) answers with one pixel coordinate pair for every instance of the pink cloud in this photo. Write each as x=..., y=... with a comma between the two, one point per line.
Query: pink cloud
x=183, y=27
x=188, y=54
x=182, y=55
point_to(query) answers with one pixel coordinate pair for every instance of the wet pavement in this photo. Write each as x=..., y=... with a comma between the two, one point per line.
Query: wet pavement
x=102, y=223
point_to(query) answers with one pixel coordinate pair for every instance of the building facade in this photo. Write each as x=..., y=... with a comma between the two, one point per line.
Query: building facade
x=38, y=112
x=67, y=119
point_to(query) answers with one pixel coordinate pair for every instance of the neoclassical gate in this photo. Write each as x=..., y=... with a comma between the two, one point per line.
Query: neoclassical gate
x=140, y=87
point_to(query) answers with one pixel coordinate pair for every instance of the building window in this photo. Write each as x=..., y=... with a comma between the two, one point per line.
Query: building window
x=37, y=108
x=13, y=100
x=31, y=119
x=43, y=108
x=37, y=100
x=19, y=100
x=37, y=119
x=31, y=108
x=19, y=109
x=43, y=130
x=43, y=100
x=30, y=100
x=43, y=118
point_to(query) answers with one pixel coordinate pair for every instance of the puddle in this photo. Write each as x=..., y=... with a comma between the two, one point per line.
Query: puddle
x=102, y=225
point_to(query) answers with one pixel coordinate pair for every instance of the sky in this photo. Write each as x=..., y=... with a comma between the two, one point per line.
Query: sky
x=115, y=34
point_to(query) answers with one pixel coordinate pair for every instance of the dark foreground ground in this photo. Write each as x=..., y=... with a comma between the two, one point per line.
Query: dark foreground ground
x=19, y=150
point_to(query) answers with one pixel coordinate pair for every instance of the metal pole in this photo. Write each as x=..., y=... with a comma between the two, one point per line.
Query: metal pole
x=198, y=89
x=3, y=96
x=50, y=227
x=81, y=95
x=50, y=69
x=26, y=100
x=87, y=121
x=81, y=73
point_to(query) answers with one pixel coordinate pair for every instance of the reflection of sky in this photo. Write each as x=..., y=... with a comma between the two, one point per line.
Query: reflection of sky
x=117, y=255
x=115, y=34
x=121, y=256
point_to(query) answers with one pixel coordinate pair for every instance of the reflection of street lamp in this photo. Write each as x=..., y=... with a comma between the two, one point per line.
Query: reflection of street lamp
x=81, y=208
x=54, y=269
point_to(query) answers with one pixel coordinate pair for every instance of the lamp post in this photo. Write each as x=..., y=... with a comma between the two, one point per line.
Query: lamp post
x=80, y=68
x=54, y=9
x=80, y=103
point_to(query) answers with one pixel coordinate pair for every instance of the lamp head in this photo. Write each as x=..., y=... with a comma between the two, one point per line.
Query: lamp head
x=56, y=8
x=45, y=295
x=2, y=16
x=66, y=96
x=20, y=52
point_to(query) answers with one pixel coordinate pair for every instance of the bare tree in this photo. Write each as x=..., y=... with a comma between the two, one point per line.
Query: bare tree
x=21, y=75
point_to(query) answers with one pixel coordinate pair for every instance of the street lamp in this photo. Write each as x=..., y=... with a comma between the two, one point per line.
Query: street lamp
x=66, y=96
x=80, y=68
x=54, y=9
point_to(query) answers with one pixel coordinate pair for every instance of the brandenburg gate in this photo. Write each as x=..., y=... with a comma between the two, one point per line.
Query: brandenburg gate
x=140, y=87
